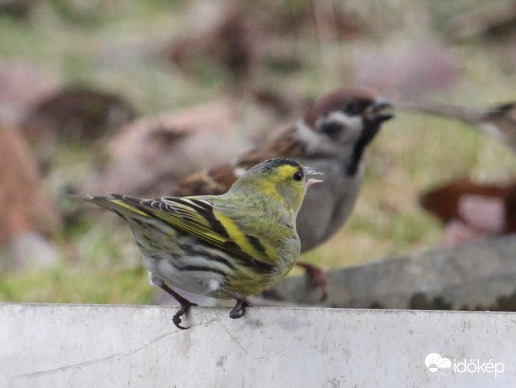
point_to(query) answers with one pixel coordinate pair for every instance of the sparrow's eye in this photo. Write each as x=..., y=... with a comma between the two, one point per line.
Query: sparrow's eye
x=352, y=108
x=356, y=106
x=332, y=129
x=298, y=176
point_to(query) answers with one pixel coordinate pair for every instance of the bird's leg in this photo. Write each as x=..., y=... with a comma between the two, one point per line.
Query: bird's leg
x=185, y=306
x=239, y=310
x=317, y=275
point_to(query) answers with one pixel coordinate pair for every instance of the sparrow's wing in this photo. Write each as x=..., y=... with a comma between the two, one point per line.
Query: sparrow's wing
x=199, y=218
x=219, y=179
x=215, y=181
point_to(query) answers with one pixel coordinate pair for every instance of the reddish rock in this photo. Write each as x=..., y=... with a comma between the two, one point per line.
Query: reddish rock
x=25, y=204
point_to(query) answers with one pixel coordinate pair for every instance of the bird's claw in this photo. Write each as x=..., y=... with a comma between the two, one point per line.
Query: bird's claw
x=185, y=306
x=176, y=319
x=239, y=310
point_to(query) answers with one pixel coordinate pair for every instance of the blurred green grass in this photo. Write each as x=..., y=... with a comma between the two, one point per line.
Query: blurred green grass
x=100, y=263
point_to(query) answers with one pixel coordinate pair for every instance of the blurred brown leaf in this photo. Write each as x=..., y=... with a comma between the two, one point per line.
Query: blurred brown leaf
x=472, y=210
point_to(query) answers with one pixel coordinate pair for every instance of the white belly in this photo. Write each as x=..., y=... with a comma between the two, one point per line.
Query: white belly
x=161, y=266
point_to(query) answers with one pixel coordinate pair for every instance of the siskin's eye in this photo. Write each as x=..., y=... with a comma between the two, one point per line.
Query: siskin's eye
x=298, y=176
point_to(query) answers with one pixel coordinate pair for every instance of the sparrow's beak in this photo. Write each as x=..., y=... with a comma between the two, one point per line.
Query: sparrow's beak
x=312, y=176
x=381, y=110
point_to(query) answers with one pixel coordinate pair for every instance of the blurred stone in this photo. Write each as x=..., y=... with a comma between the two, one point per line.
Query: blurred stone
x=32, y=250
x=227, y=43
x=408, y=69
x=21, y=85
x=26, y=206
x=72, y=115
x=244, y=38
x=282, y=103
x=78, y=114
x=457, y=232
x=149, y=156
x=464, y=277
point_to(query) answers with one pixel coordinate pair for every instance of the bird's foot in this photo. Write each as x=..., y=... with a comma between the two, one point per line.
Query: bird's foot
x=239, y=310
x=176, y=319
x=185, y=306
x=317, y=275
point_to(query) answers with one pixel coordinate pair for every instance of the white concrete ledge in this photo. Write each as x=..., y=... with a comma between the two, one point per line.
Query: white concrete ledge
x=52, y=345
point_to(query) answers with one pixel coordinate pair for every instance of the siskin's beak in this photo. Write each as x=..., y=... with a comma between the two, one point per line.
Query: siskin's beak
x=312, y=176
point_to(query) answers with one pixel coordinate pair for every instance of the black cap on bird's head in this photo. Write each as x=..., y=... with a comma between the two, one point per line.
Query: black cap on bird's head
x=288, y=169
x=271, y=164
x=282, y=180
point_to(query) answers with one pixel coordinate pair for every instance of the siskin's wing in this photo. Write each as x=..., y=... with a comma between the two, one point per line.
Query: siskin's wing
x=199, y=218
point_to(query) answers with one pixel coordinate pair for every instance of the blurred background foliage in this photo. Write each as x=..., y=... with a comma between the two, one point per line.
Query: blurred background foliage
x=161, y=55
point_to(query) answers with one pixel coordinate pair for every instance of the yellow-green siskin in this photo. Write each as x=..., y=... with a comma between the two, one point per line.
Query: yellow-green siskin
x=223, y=246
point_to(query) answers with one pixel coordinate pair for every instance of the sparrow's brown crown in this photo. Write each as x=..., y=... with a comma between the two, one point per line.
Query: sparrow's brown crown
x=351, y=101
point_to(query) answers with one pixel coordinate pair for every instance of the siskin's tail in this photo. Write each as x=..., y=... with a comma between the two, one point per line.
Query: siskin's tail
x=116, y=203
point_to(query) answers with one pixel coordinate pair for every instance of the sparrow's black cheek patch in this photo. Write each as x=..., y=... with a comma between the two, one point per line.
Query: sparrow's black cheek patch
x=365, y=138
x=332, y=129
